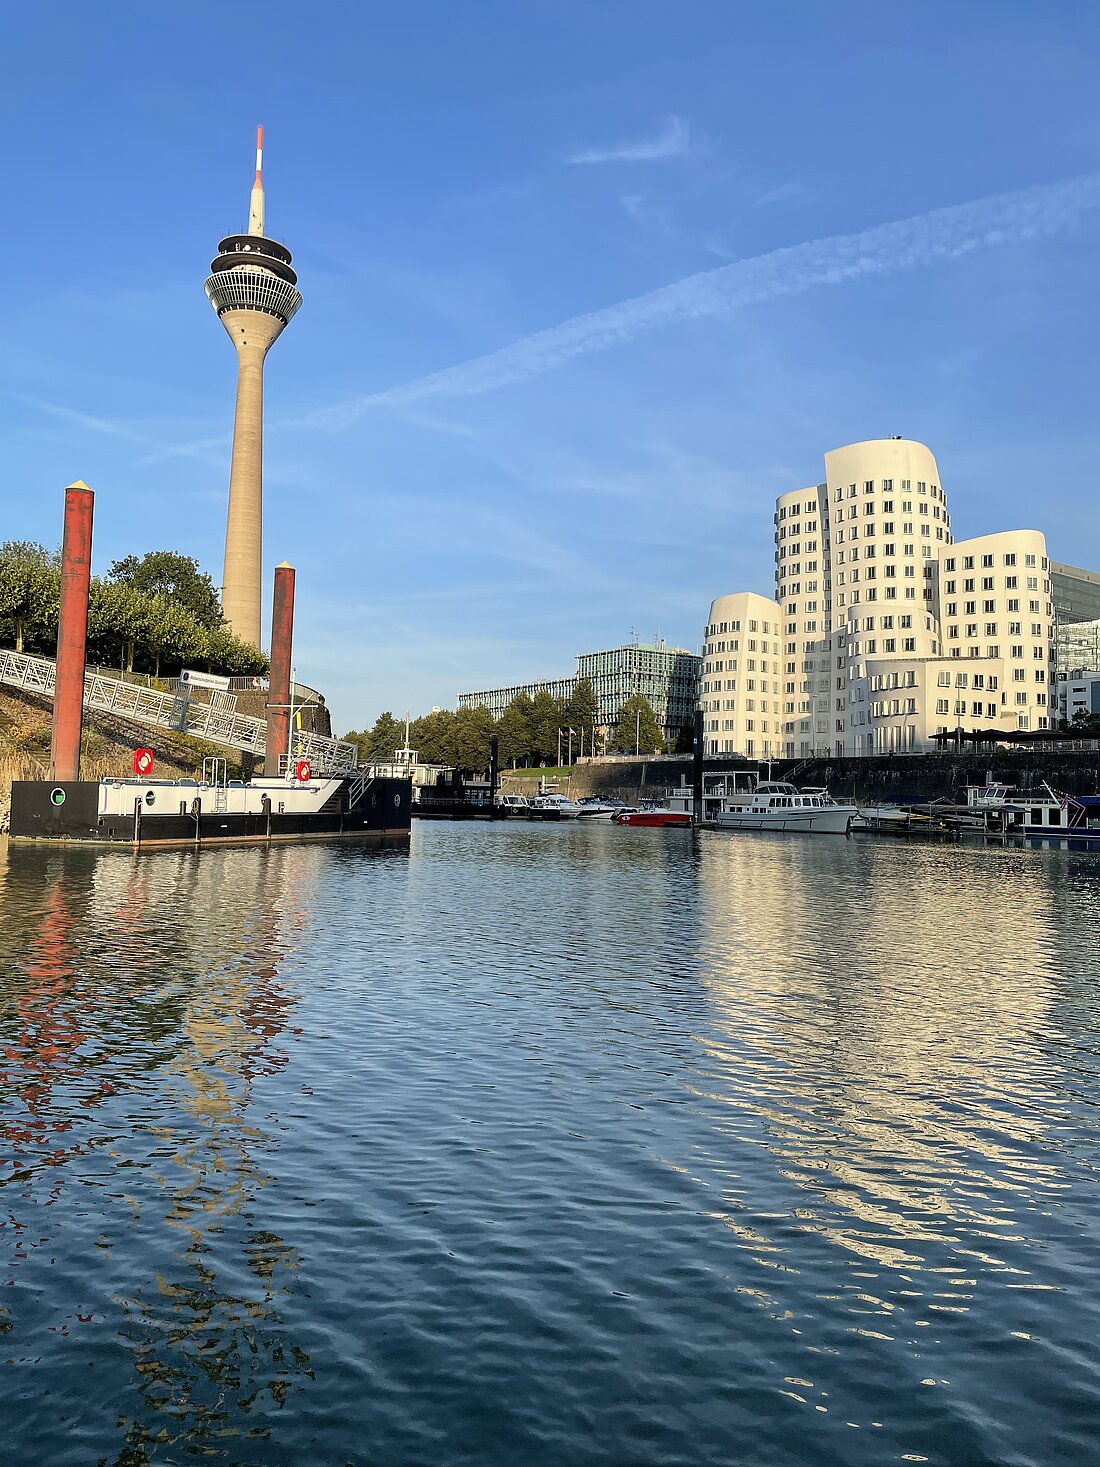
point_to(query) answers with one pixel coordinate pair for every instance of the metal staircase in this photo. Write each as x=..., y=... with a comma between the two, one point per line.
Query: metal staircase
x=361, y=782
x=218, y=721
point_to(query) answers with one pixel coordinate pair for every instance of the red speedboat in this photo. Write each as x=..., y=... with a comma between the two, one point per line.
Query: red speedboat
x=653, y=815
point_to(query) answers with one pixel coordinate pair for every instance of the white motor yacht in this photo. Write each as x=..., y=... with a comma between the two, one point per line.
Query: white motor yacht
x=554, y=807
x=780, y=806
x=592, y=808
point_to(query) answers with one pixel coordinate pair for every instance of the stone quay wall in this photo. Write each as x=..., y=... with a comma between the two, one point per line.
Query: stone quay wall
x=894, y=778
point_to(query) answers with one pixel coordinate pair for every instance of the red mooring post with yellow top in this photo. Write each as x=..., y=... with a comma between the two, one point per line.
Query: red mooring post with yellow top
x=72, y=633
x=278, y=682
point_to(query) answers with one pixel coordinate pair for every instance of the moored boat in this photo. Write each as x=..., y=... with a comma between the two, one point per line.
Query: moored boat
x=591, y=808
x=553, y=807
x=884, y=819
x=513, y=807
x=779, y=806
x=141, y=812
x=651, y=815
x=1000, y=810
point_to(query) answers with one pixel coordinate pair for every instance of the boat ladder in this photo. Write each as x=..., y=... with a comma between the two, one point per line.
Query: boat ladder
x=215, y=774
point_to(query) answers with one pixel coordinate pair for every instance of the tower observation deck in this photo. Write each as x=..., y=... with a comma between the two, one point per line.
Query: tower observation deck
x=254, y=291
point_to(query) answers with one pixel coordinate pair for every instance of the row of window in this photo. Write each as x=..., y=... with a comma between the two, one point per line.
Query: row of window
x=793, y=509
x=728, y=725
x=854, y=527
x=1008, y=559
x=890, y=528
x=734, y=645
x=965, y=680
x=977, y=710
x=1012, y=583
x=989, y=608
x=720, y=628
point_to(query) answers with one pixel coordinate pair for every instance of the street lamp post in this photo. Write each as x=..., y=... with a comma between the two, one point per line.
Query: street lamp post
x=637, y=731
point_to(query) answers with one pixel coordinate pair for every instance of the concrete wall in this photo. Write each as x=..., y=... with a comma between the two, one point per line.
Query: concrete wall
x=893, y=778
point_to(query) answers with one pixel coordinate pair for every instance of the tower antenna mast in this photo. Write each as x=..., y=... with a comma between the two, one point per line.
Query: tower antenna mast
x=256, y=203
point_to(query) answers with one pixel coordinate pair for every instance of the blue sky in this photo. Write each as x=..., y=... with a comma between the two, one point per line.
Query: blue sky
x=544, y=387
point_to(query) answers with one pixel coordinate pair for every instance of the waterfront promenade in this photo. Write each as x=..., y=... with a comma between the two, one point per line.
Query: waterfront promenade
x=550, y=1144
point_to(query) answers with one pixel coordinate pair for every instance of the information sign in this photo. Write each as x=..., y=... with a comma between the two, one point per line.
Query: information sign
x=204, y=680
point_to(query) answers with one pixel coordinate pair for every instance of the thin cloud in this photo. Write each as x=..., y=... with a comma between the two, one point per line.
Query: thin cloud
x=80, y=419
x=673, y=140
x=198, y=449
x=925, y=239
x=794, y=192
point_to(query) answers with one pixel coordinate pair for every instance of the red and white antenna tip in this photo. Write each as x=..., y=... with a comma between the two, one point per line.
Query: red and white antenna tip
x=259, y=153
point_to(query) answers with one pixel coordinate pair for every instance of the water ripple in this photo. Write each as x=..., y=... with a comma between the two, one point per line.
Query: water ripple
x=545, y=1144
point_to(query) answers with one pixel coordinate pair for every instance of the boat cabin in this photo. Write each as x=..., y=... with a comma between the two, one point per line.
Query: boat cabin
x=777, y=795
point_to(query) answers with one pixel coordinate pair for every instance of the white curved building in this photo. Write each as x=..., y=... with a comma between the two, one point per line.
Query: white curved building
x=857, y=554
x=739, y=691
x=877, y=605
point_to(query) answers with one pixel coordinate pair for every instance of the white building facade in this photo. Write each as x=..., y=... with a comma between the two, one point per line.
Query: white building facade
x=879, y=607
x=739, y=691
x=1079, y=696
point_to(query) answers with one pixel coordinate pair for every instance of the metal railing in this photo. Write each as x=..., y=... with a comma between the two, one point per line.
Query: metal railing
x=361, y=781
x=300, y=692
x=216, y=721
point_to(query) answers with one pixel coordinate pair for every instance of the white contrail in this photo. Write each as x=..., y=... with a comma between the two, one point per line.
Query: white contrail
x=943, y=234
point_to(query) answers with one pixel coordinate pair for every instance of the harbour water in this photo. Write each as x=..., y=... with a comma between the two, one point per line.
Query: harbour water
x=550, y=1144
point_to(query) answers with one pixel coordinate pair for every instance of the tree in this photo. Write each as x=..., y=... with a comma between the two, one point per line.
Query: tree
x=583, y=711
x=547, y=716
x=385, y=738
x=175, y=577
x=361, y=742
x=638, y=731
x=117, y=618
x=171, y=633
x=434, y=737
x=514, y=730
x=224, y=653
x=473, y=728
x=30, y=592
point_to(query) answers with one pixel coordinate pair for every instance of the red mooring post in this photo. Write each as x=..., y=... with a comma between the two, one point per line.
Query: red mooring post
x=278, y=683
x=72, y=633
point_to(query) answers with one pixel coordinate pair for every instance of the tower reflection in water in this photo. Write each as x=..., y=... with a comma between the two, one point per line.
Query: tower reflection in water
x=148, y=991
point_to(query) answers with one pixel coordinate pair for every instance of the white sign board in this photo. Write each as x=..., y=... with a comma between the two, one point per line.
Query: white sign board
x=203, y=680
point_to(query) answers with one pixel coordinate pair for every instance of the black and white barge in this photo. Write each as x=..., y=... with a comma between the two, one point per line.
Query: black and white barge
x=363, y=805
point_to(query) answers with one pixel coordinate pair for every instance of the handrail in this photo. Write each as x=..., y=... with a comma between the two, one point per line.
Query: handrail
x=180, y=714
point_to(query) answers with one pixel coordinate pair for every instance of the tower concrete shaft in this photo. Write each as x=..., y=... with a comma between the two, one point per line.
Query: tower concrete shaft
x=254, y=291
x=252, y=334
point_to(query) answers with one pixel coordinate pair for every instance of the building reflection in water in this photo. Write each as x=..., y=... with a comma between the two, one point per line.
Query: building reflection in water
x=150, y=987
x=886, y=1050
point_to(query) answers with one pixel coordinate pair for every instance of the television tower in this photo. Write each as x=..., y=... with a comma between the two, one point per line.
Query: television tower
x=255, y=293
